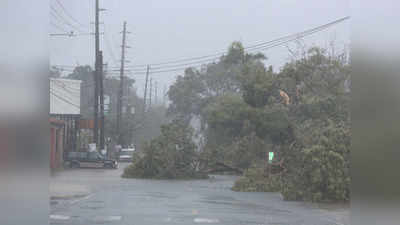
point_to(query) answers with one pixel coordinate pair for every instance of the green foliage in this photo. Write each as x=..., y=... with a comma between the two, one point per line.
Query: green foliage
x=235, y=53
x=172, y=155
x=255, y=180
x=272, y=123
x=257, y=85
x=245, y=150
x=229, y=118
x=318, y=160
x=196, y=89
x=227, y=114
x=324, y=174
x=243, y=117
x=185, y=95
x=315, y=144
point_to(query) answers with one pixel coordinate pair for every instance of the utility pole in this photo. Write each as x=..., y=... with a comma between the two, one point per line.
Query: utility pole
x=101, y=85
x=151, y=91
x=145, y=91
x=155, y=94
x=121, y=86
x=164, y=94
x=96, y=75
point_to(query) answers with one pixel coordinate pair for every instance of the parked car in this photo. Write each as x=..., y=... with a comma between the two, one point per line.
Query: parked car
x=126, y=155
x=89, y=160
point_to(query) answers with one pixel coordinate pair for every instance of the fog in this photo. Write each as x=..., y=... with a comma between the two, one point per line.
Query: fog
x=169, y=30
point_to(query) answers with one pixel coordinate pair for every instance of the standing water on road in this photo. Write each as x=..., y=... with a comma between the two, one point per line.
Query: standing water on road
x=113, y=200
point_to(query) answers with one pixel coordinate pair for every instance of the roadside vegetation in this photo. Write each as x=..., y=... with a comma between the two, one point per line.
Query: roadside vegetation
x=172, y=155
x=244, y=109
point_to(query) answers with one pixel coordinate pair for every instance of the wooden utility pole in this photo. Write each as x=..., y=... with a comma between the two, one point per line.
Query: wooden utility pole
x=145, y=91
x=96, y=76
x=151, y=91
x=101, y=86
x=121, y=86
x=155, y=94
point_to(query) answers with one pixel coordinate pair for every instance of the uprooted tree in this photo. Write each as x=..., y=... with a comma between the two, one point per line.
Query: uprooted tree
x=247, y=110
x=171, y=155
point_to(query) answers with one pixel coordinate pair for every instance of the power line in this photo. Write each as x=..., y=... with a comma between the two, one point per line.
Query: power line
x=71, y=66
x=58, y=27
x=178, y=65
x=57, y=92
x=63, y=99
x=69, y=15
x=72, y=91
x=109, y=45
x=87, y=34
x=71, y=34
x=68, y=88
x=253, y=47
x=55, y=13
x=54, y=16
x=163, y=71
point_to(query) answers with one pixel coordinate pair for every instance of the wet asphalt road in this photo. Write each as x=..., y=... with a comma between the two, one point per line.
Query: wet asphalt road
x=114, y=200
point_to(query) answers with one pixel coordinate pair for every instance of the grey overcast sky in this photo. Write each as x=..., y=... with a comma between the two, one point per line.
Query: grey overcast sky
x=164, y=30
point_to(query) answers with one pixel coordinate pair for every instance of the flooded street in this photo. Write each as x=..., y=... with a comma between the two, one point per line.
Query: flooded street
x=102, y=197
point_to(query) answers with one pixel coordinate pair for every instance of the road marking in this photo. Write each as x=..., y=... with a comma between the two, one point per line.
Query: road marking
x=113, y=218
x=205, y=220
x=80, y=199
x=105, y=219
x=59, y=217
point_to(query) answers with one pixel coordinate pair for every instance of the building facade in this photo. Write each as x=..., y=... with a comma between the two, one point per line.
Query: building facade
x=64, y=118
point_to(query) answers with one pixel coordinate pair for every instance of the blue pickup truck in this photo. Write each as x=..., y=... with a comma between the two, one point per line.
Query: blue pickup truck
x=89, y=160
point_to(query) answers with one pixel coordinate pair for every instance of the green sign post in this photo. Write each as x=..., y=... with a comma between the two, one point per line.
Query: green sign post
x=270, y=156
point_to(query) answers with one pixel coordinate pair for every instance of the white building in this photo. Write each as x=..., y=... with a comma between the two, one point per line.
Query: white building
x=65, y=107
x=65, y=97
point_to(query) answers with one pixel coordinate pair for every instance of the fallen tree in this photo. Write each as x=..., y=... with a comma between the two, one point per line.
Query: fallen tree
x=172, y=155
x=222, y=167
